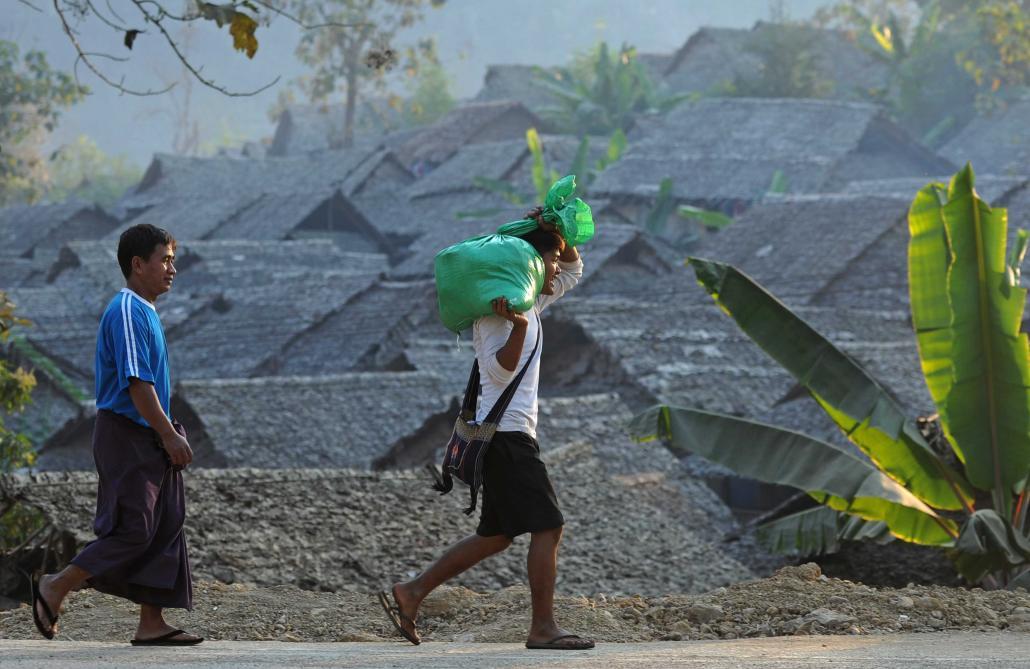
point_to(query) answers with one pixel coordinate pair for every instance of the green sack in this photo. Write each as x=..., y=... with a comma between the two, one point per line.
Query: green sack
x=471, y=274
x=573, y=219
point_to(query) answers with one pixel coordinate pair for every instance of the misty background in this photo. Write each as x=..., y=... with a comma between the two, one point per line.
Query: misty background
x=470, y=35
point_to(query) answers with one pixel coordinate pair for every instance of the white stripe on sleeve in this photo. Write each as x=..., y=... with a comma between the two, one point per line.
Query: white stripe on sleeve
x=130, y=336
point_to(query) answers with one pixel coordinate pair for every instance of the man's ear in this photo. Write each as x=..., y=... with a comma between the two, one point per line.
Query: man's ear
x=137, y=264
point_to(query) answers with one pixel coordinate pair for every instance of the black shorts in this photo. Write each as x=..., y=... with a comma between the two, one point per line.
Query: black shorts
x=517, y=493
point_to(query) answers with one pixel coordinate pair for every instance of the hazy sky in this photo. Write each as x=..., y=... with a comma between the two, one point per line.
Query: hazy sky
x=471, y=34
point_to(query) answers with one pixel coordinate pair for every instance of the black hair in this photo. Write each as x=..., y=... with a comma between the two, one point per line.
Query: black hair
x=141, y=240
x=542, y=240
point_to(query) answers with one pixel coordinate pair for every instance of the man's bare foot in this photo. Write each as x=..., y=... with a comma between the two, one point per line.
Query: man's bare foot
x=148, y=632
x=554, y=637
x=408, y=605
x=53, y=598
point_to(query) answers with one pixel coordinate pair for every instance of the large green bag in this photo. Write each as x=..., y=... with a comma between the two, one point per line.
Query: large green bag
x=573, y=218
x=471, y=274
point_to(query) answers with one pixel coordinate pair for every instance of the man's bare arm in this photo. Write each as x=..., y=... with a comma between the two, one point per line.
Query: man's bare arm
x=509, y=354
x=144, y=398
x=569, y=254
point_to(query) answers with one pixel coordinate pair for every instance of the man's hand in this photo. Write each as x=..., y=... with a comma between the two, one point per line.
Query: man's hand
x=508, y=355
x=178, y=449
x=503, y=309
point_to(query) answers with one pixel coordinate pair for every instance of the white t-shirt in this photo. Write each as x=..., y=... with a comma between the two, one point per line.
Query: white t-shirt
x=490, y=334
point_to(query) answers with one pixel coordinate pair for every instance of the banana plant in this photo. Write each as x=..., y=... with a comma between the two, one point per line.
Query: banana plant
x=605, y=99
x=543, y=175
x=967, y=306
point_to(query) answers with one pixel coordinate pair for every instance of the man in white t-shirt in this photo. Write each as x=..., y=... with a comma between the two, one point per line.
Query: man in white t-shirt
x=517, y=493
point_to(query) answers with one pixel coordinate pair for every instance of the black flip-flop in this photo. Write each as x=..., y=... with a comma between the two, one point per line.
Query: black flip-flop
x=554, y=645
x=167, y=640
x=38, y=599
x=396, y=617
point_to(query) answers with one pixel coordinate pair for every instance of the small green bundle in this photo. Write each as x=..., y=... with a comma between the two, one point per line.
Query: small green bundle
x=573, y=219
x=473, y=273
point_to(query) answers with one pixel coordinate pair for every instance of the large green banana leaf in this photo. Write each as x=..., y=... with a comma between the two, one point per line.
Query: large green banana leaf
x=989, y=543
x=854, y=400
x=817, y=531
x=775, y=455
x=928, y=257
x=976, y=358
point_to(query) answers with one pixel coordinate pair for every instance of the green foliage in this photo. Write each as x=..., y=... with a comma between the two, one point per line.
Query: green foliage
x=350, y=53
x=818, y=531
x=82, y=170
x=973, y=355
x=32, y=96
x=602, y=93
x=828, y=473
x=24, y=348
x=789, y=66
x=656, y=219
x=430, y=96
x=712, y=220
x=657, y=216
x=947, y=59
x=779, y=184
x=15, y=450
x=967, y=307
x=543, y=175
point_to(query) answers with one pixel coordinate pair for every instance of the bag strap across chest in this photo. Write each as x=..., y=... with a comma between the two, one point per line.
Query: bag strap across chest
x=468, y=404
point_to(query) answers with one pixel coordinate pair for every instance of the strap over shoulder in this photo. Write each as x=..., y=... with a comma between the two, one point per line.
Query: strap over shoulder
x=468, y=403
x=501, y=405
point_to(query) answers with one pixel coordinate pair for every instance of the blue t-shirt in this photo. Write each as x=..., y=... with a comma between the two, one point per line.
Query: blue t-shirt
x=131, y=344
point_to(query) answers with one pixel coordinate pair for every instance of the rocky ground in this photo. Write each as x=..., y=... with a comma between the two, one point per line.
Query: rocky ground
x=636, y=522
x=795, y=601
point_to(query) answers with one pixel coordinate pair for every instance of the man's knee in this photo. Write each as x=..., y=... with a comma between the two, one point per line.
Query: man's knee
x=497, y=542
x=552, y=535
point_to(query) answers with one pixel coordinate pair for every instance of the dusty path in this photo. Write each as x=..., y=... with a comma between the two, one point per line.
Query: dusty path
x=934, y=651
x=795, y=601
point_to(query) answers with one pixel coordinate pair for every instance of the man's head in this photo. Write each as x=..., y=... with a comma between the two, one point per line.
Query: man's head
x=146, y=255
x=549, y=245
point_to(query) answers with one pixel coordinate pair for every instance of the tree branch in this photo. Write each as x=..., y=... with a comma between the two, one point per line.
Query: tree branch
x=185, y=61
x=163, y=13
x=84, y=57
x=113, y=13
x=103, y=18
x=30, y=5
x=306, y=26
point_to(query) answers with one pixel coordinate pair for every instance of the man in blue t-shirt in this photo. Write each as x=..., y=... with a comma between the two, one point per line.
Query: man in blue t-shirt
x=140, y=551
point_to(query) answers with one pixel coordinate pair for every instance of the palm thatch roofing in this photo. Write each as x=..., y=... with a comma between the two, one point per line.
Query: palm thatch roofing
x=16, y=270
x=224, y=290
x=330, y=420
x=991, y=187
x=26, y=229
x=713, y=58
x=353, y=336
x=515, y=83
x=470, y=123
x=796, y=246
x=877, y=276
x=696, y=355
x=997, y=143
x=730, y=149
x=193, y=197
x=304, y=129
x=247, y=326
